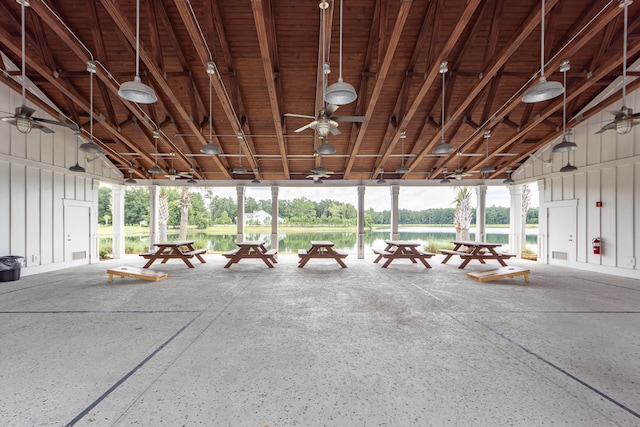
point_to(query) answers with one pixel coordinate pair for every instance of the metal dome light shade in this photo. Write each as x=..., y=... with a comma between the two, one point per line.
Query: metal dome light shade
x=543, y=90
x=136, y=91
x=91, y=147
x=255, y=181
x=326, y=148
x=155, y=170
x=568, y=167
x=239, y=170
x=340, y=93
x=77, y=168
x=381, y=180
x=210, y=149
x=508, y=181
x=565, y=145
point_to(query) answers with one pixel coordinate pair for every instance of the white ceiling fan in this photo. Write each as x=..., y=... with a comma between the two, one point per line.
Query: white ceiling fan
x=324, y=123
x=460, y=172
x=23, y=118
x=173, y=174
x=624, y=119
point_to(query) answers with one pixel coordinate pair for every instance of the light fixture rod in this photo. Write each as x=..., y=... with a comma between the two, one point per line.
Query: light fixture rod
x=137, y=37
x=624, y=57
x=24, y=73
x=542, y=43
x=340, y=66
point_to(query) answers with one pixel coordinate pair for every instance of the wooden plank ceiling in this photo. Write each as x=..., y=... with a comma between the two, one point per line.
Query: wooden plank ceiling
x=269, y=57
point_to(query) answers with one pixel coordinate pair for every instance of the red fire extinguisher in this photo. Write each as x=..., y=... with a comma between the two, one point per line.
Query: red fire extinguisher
x=596, y=243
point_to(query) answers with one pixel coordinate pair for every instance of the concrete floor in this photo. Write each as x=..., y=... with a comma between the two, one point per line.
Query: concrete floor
x=251, y=346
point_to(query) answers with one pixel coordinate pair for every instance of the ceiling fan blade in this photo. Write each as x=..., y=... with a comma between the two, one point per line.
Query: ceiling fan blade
x=299, y=115
x=36, y=125
x=335, y=131
x=330, y=109
x=606, y=127
x=303, y=128
x=354, y=119
x=618, y=113
x=55, y=122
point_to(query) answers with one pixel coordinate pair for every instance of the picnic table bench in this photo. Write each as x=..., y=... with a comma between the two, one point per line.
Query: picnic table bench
x=402, y=249
x=321, y=249
x=249, y=250
x=183, y=250
x=479, y=251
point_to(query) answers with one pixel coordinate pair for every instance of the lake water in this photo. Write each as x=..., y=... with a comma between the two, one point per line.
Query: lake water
x=289, y=243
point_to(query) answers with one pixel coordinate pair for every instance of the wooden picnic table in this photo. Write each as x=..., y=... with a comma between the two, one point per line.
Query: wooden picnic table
x=255, y=250
x=321, y=249
x=183, y=250
x=481, y=251
x=402, y=249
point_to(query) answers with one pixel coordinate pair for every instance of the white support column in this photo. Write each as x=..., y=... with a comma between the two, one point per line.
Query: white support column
x=395, y=193
x=154, y=201
x=274, y=216
x=542, y=223
x=481, y=213
x=515, y=220
x=360, y=241
x=240, y=218
x=117, y=221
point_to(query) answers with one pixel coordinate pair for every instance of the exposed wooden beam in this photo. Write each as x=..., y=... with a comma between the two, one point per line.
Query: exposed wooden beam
x=264, y=37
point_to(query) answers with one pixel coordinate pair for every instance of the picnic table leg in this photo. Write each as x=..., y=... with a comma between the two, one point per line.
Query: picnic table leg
x=150, y=262
x=266, y=261
x=386, y=264
x=186, y=261
x=339, y=261
x=303, y=261
x=446, y=258
x=465, y=261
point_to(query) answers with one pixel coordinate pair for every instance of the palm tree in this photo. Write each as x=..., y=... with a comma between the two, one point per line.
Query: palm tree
x=163, y=214
x=463, y=213
x=185, y=202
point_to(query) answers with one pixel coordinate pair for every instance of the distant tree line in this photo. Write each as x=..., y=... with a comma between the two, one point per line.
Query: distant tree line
x=207, y=209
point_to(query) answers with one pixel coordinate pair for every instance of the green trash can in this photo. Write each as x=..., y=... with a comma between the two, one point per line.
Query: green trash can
x=10, y=266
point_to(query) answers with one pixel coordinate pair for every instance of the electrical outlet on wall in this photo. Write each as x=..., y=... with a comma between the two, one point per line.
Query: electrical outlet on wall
x=632, y=261
x=35, y=258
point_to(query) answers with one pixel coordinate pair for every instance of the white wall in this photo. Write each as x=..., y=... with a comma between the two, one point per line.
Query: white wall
x=608, y=172
x=35, y=184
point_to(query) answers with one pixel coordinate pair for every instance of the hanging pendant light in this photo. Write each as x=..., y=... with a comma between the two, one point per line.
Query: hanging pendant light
x=136, y=91
x=130, y=180
x=568, y=167
x=403, y=169
x=487, y=169
x=155, y=169
x=239, y=169
x=443, y=147
x=90, y=146
x=564, y=145
x=210, y=148
x=445, y=179
x=381, y=180
x=508, y=181
x=340, y=93
x=326, y=148
x=77, y=167
x=543, y=90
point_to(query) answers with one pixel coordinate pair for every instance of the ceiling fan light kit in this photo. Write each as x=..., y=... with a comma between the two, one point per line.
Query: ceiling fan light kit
x=340, y=93
x=136, y=91
x=543, y=90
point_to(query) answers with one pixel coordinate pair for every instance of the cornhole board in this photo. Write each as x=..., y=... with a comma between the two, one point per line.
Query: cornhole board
x=137, y=273
x=499, y=273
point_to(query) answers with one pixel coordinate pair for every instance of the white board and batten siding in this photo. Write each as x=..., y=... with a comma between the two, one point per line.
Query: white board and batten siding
x=608, y=172
x=37, y=189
